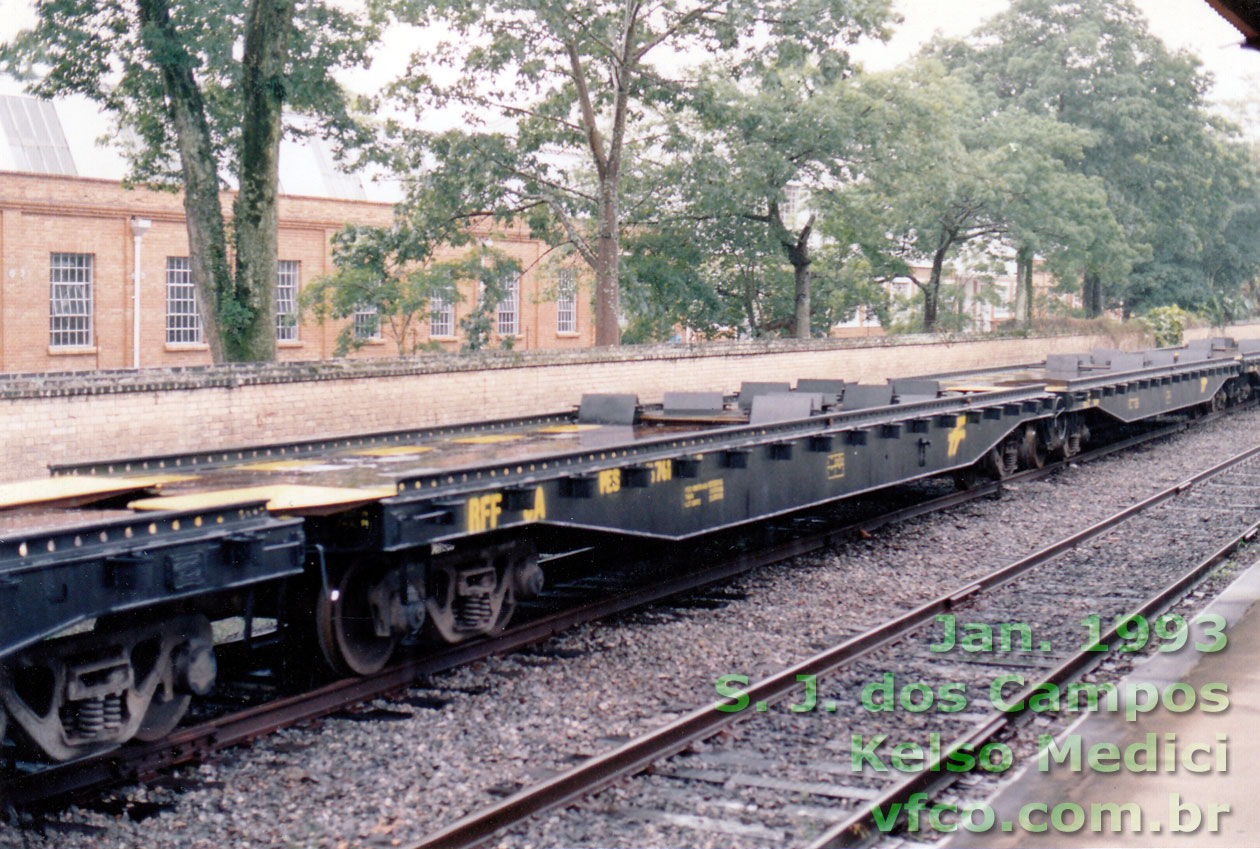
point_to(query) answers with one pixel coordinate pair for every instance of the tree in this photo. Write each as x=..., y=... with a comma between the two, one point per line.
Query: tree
x=756, y=148
x=561, y=96
x=169, y=74
x=1093, y=64
x=387, y=273
x=378, y=271
x=951, y=169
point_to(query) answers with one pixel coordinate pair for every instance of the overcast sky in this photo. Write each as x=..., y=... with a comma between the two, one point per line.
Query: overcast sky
x=1184, y=24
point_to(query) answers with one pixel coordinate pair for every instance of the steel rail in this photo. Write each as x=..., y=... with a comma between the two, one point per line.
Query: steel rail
x=136, y=762
x=640, y=753
x=860, y=828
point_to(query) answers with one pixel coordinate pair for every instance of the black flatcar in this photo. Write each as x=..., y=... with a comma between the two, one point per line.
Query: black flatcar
x=113, y=573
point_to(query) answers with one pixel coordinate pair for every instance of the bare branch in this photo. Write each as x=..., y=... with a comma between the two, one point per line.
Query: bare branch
x=583, y=247
x=588, y=111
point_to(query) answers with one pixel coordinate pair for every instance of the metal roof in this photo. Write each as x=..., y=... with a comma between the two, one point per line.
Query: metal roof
x=73, y=137
x=33, y=136
x=1243, y=14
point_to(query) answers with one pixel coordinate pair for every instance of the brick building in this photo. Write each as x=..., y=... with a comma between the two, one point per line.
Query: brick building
x=70, y=245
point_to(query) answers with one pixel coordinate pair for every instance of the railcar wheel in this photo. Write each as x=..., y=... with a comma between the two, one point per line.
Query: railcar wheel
x=1032, y=449
x=94, y=690
x=1002, y=461
x=349, y=619
x=1219, y=400
x=161, y=718
x=467, y=601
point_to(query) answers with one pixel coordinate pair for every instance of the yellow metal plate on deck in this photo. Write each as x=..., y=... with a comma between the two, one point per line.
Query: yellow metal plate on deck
x=280, y=465
x=573, y=428
x=970, y=387
x=393, y=451
x=491, y=439
x=293, y=499
x=77, y=489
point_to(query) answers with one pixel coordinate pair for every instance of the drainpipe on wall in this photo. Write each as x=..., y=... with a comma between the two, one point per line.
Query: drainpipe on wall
x=139, y=226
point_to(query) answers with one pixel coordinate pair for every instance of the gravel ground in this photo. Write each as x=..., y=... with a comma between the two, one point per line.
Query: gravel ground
x=410, y=765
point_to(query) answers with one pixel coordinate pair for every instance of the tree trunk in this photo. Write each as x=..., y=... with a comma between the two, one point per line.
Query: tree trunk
x=804, y=281
x=1092, y=294
x=268, y=30
x=207, y=244
x=796, y=249
x=750, y=303
x=1024, y=286
x=932, y=291
x=607, y=265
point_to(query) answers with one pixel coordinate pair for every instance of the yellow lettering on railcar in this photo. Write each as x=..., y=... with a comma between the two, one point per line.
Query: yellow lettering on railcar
x=609, y=481
x=483, y=512
x=957, y=435
x=1202, y=385
x=662, y=470
x=835, y=466
x=1167, y=396
x=1135, y=403
x=700, y=493
x=540, y=507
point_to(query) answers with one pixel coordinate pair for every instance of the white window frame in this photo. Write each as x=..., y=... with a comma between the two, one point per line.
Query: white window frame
x=508, y=315
x=566, y=301
x=288, y=280
x=183, y=319
x=70, y=300
x=361, y=319
x=441, y=319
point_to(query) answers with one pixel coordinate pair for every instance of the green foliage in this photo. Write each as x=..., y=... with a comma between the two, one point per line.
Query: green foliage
x=383, y=270
x=1167, y=324
x=949, y=168
x=493, y=270
x=1159, y=155
x=567, y=100
x=104, y=50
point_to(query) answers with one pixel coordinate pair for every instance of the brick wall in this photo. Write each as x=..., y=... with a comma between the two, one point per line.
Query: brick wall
x=42, y=214
x=66, y=418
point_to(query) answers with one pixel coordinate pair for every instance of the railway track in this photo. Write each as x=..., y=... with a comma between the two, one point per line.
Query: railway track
x=35, y=788
x=746, y=786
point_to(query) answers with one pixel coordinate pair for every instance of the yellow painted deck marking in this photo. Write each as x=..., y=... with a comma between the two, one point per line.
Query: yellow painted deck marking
x=393, y=451
x=280, y=465
x=280, y=498
x=970, y=387
x=491, y=439
x=78, y=489
x=572, y=428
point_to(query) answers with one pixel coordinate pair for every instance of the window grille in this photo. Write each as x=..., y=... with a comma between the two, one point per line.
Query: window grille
x=183, y=321
x=286, y=300
x=510, y=307
x=441, y=319
x=367, y=324
x=70, y=300
x=566, y=301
